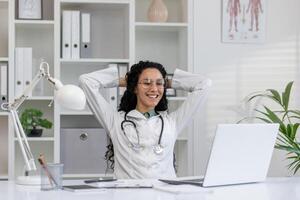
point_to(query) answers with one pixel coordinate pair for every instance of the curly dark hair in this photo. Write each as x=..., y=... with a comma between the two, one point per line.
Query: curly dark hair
x=129, y=99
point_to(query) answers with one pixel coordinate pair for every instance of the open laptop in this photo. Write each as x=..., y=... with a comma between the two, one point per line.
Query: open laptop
x=241, y=153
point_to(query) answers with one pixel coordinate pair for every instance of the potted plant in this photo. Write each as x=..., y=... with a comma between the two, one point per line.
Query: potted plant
x=32, y=122
x=287, y=118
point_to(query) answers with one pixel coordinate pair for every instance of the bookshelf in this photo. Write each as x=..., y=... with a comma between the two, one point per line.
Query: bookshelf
x=120, y=34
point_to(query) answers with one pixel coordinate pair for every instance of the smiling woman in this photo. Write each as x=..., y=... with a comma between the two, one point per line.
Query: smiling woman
x=145, y=84
x=142, y=131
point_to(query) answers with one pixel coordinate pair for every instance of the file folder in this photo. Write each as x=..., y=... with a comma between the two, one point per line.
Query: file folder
x=85, y=48
x=75, y=41
x=27, y=66
x=3, y=83
x=23, y=69
x=66, y=34
x=19, y=78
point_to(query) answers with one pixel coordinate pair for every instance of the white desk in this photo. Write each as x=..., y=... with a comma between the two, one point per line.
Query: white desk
x=272, y=189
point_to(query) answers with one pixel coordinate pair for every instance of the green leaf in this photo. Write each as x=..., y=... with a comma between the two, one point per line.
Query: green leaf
x=286, y=95
x=294, y=130
x=254, y=96
x=276, y=95
x=297, y=112
x=263, y=119
x=32, y=118
x=245, y=118
x=289, y=129
x=274, y=118
x=289, y=149
x=293, y=157
x=297, y=168
x=294, y=117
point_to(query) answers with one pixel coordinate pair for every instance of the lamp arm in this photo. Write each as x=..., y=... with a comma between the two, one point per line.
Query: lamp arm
x=12, y=108
x=43, y=73
x=22, y=139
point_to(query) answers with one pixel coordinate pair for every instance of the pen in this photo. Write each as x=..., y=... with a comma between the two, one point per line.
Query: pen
x=42, y=161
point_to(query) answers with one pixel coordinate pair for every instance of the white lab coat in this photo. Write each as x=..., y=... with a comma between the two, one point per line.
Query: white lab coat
x=145, y=163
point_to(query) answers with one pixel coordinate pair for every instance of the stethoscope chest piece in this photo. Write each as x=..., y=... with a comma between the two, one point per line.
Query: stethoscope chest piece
x=158, y=149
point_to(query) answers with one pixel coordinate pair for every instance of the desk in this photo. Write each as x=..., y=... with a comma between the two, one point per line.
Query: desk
x=271, y=189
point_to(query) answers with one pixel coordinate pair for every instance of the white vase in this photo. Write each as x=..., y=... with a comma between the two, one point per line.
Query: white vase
x=157, y=11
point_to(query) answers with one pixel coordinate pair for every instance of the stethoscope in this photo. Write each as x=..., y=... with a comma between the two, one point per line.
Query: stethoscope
x=158, y=148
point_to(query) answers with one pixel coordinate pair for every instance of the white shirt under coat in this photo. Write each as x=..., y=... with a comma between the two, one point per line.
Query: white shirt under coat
x=145, y=163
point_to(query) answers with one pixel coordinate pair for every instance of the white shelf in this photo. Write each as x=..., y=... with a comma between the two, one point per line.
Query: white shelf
x=76, y=113
x=94, y=60
x=182, y=139
x=3, y=176
x=176, y=98
x=150, y=26
x=3, y=59
x=6, y=1
x=48, y=98
x=3, y=113
x=41, y=22
x=39, y=139
x=97, y=1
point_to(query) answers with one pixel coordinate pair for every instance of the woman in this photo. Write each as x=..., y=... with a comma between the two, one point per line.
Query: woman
x=143, y=133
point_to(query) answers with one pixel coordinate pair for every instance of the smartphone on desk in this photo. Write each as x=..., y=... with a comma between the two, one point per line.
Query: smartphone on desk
x=101, y=179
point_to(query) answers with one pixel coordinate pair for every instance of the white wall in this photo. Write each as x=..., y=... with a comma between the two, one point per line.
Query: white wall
x=239, y=69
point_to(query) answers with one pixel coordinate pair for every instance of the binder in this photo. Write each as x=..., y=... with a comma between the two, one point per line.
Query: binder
x=85, y=46
x=27, y=62
x=23, y=69
x=66, y=34
x=75, y=39
x=19, y=78
x=123, y=69
x=3, y=83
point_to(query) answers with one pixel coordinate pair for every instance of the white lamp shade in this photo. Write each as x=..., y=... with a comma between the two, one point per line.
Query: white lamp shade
x=71, y=96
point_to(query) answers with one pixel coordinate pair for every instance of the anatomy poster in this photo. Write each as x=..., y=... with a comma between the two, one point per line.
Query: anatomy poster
x=244, y=21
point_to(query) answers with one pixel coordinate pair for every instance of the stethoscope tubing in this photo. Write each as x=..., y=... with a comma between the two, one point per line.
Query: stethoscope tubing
x=134, y=125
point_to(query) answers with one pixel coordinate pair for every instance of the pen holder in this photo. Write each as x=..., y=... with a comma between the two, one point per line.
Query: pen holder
x=51, y=176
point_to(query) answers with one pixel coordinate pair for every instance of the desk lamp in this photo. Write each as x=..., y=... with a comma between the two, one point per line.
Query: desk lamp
x=68, y=96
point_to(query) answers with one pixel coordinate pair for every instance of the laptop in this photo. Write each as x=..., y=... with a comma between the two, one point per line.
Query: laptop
x=241, y=153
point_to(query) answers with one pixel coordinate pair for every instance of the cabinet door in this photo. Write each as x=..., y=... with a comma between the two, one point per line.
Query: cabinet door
x=83, y=150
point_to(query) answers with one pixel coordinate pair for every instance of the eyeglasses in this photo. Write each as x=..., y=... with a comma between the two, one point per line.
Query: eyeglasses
x=147, y=83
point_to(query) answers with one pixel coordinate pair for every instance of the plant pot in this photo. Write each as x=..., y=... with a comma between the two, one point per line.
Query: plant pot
x=35, y=133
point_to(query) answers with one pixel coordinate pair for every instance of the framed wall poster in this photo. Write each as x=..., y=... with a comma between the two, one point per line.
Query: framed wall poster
x=243, y=21
x=170, y=92
x=30, y=9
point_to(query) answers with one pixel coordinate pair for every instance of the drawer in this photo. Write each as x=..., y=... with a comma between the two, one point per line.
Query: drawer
x=82, y=150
